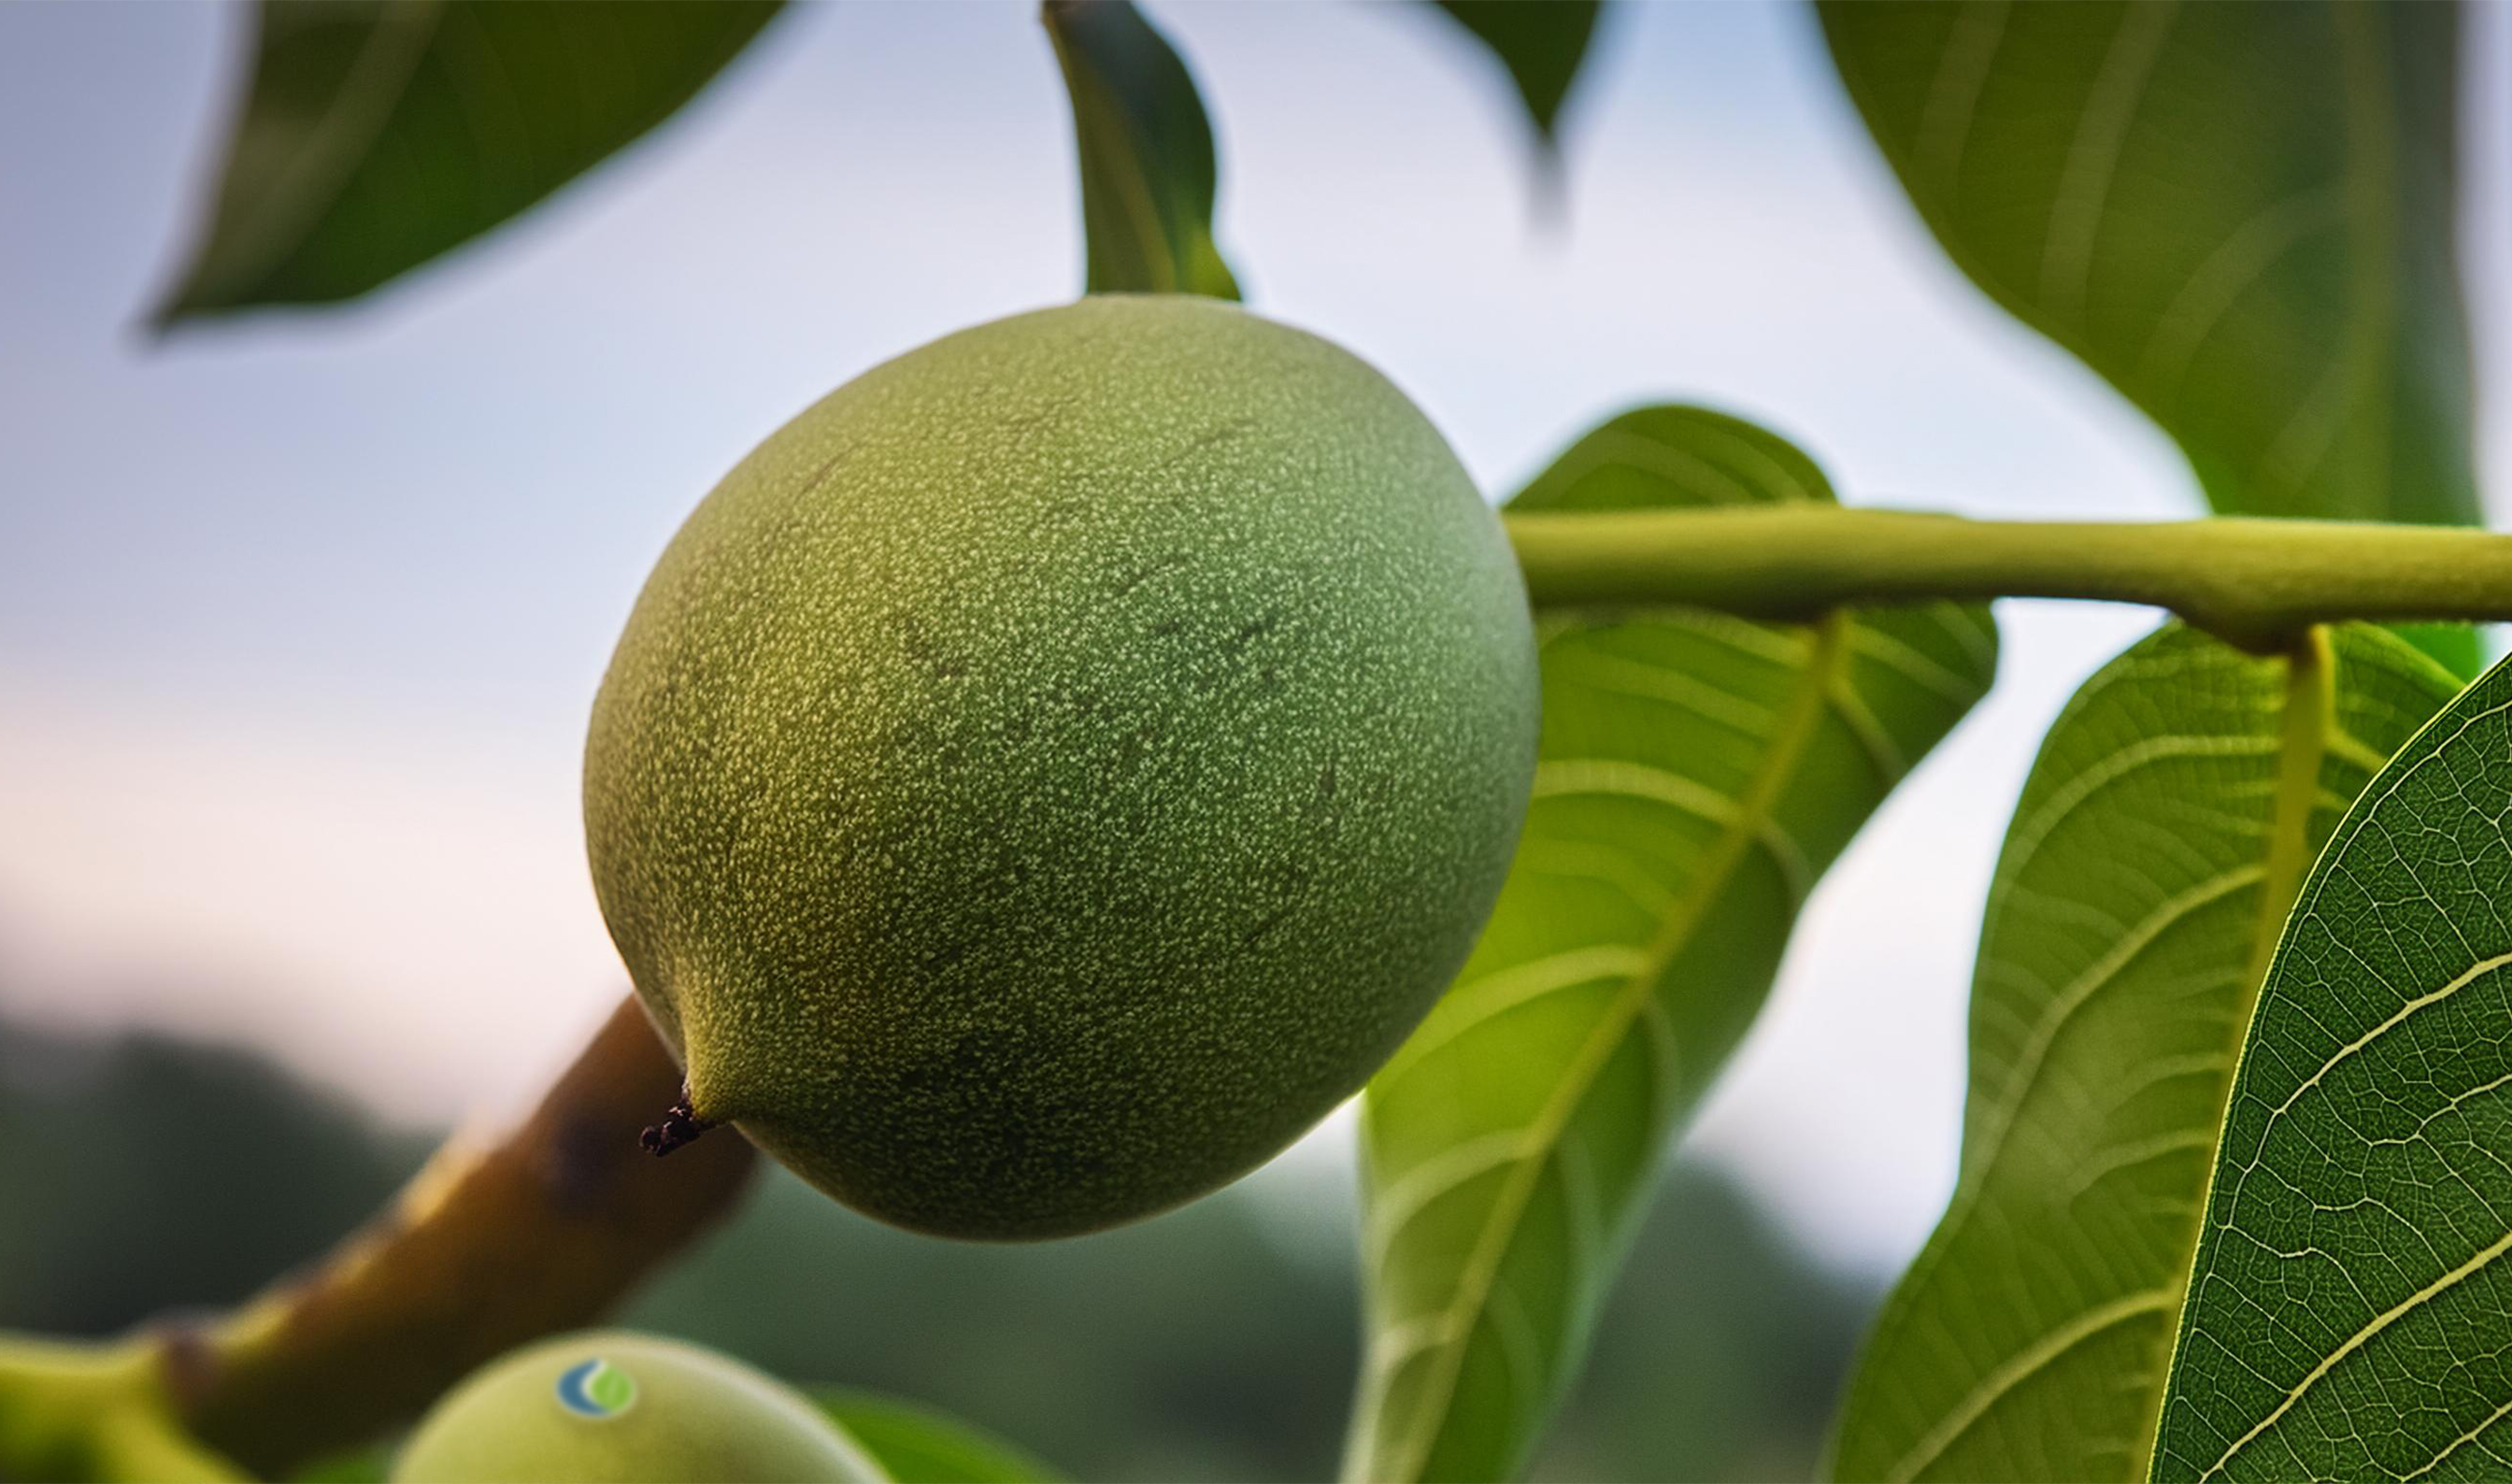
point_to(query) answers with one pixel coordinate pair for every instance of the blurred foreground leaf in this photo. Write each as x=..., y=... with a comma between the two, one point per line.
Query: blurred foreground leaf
x=2243, y=217
x=1541, y=42
x=377, y=134
x=361, y=1465
x=1145, y=153
x=1697, y=774
x=2162, y=834
x=918, y=1445
x=2350, y=1315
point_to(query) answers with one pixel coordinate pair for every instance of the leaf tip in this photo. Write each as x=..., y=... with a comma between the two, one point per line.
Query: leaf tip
x=164, y=316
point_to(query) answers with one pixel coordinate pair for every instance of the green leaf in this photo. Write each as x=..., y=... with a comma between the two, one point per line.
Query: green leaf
x=2160, y=836
x=1541, y=42
x=372, y=1464
x=918, y=1445
x=1696, y=773
x=1146, y=151
x=378, y=134
x=2241, y=216
x=2351, y=1317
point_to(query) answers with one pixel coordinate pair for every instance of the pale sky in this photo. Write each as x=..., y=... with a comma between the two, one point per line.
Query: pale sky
x=299, y=617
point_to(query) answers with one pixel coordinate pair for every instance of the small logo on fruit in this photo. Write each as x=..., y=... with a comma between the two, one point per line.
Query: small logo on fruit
x=595, y=1388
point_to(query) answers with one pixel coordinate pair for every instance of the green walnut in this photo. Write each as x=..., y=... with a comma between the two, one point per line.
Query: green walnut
x=617, y=1408
x=1052, y=771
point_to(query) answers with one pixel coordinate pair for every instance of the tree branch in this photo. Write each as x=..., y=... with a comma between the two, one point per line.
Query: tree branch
x=2250, y=583
x=490, y=1247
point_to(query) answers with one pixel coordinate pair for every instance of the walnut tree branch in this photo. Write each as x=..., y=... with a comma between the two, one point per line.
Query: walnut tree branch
x=542, y=1230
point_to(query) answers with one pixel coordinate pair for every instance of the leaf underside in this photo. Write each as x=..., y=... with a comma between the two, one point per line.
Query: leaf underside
x=1147, y=177
x=1696, y=775
x=2350, y=1316
x=377, y=134
x=2162, y=833
x=2242, y=217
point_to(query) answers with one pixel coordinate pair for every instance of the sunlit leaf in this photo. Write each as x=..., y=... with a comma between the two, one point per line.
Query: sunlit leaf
x=919, y=1445
x=1539, y=42
x=2242, y=216
x=2163, y=832
x=1697, y=774
x=1145, y=153
x=377, y=134
x=2350, y=1316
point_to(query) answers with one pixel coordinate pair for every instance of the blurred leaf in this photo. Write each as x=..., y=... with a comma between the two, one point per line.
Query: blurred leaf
x=918, y=1445
x=2160, y=836
x=1145, y=153
x=1541, y=42
x=1697, y=774
x=2242, y=217
x=378, y=134
x=2349, y=1316
x=359, y=1465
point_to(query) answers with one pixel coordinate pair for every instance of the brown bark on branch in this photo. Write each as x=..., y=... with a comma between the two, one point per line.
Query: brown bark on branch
x=488, y=1247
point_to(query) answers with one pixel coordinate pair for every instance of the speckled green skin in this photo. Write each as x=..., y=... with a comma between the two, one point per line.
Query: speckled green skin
x=698, y=1417
x=1055, y=769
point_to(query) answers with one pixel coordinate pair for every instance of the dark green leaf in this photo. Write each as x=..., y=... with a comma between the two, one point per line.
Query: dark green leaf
x=1146, y=152
x=2241, y=216
x=2162, y=834
x=2350, y=1316
x=1541, y=42
x=918, y=1445
x=378, y=134
x=1696, y=773
x=361, y=1465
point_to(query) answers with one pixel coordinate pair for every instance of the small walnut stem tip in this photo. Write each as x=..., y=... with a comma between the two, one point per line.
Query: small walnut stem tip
x=680, y=1126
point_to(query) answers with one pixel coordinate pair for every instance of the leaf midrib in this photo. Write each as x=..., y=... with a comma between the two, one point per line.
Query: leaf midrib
x=1804, y=713
x=2308, y=728
x=2310, y=734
